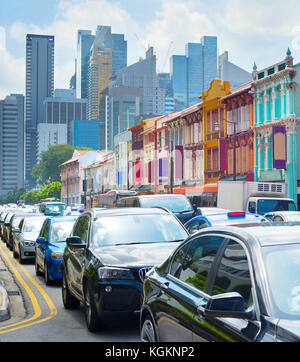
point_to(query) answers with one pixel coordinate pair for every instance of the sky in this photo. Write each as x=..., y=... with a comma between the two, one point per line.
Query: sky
x=257, y=31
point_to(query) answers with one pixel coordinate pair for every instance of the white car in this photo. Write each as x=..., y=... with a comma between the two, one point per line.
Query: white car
x=283, y=216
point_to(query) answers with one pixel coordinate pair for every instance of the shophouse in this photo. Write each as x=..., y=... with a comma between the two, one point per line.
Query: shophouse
x=214, y=130
x=239, y=139
x=277, y=114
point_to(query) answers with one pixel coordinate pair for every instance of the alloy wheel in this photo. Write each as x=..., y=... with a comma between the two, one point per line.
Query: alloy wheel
x=148, y=331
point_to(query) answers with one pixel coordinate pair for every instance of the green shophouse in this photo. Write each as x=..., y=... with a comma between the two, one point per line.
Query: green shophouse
x=276, y=118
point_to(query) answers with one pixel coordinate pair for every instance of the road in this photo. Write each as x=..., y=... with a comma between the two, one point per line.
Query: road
x=38, y=314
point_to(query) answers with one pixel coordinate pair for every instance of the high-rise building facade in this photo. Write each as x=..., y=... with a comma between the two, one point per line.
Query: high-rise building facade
x=39, y=85
x=11, y=143
x=85, y=40
x=192, y=73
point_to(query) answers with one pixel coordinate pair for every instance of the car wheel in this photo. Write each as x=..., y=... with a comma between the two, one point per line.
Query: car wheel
x=93, y=322
x=37, y=268
x=46, y=274
x=21, y=260
x=15, y=254
x=148, y=333
x=69, y=301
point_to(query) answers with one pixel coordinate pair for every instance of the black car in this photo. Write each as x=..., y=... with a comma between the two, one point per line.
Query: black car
x=227, y=284
x=178, y=204
x=11, y=227
x=108, y=254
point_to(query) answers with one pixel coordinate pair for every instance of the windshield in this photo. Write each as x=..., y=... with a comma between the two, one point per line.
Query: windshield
x=266, y=205
x=16, y=221
x=137, y=229
x=283, y=271
x=60, y=231
x=54, y=209
x=174, y=204
x=33, y=225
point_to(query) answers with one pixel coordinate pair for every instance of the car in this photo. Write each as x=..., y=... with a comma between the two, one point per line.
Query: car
x=12, y=227
x=52, y=208
x=25, y=237
x=107, y=256
x=212, y=210
x=283, y=216
x=226, y=284
x=228, y=218
x=178, y=204
x=5, y=227
x=50, y=245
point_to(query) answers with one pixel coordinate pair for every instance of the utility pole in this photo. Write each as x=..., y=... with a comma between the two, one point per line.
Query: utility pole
x=171, y=170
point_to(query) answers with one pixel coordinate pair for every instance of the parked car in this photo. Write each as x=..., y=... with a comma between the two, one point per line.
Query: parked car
x=108, y=254
x=178, y=204
x=5, y=228
x=228, y=218
x=283, y=216
x=25, y=238
x=50, y=245
x=226, y=284
x=12, y=227
x=211, y=210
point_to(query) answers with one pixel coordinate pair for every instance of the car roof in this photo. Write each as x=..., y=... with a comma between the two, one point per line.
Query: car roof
x=263, y=234
x=62, y=218
x=128, y=211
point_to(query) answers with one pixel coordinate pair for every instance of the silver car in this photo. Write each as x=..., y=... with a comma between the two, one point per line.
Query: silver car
x=25, y=237
x=279, y=217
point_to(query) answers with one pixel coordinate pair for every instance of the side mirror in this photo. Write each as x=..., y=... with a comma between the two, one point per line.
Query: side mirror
x=40, y=240
x=75, y=242
x=228, y=305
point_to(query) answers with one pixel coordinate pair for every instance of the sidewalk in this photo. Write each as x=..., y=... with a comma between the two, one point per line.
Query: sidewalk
x=4, y=302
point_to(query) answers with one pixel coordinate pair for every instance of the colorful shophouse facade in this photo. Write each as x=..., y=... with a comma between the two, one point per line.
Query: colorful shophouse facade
x=240, y=119
x=276, y=133
x=214, y=130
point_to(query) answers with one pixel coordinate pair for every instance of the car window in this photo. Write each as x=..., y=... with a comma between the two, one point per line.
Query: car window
x=233, y=273
x=193, y=227
x=82, y=227
x=121, y=203
x=198, y=261
x=277, y=218
x=45, y=231
x=60, y=231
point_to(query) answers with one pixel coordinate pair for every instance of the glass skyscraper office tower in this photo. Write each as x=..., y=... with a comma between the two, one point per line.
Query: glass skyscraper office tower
x=191, y=73
x=39, y=85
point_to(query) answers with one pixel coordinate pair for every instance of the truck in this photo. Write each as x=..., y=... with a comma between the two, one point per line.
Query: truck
x=254, y=197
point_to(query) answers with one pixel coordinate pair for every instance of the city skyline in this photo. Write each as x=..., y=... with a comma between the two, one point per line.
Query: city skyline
x=248, y=36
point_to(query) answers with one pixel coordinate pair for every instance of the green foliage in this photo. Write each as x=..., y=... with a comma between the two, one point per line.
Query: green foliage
x=12, y=196
x=51, y=190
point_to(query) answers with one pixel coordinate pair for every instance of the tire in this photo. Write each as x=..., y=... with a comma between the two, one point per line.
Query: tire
x=15, y=254
x=48, y=281
x=37, y=268
x=93, y=322
x=21, y=260
x=148, y=333
x=69, y=301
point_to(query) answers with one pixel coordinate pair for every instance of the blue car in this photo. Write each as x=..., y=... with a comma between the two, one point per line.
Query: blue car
x=50, y=246
x=224, y=218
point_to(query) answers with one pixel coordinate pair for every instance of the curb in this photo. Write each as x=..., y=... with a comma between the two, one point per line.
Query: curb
x=4, y=304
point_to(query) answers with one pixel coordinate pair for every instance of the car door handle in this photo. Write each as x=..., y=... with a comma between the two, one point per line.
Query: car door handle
x=165, y=286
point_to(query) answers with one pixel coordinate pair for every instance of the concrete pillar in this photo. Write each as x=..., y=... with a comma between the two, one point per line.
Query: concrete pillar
x=268, y=154
x=261, y=155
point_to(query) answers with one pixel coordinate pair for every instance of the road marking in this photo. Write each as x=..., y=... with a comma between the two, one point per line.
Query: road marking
x=37, y=309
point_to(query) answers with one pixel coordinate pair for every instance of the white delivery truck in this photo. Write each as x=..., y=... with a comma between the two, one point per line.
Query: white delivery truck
x=254, y=197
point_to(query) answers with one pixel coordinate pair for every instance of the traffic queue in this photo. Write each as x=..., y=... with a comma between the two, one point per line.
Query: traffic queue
x=193, y=274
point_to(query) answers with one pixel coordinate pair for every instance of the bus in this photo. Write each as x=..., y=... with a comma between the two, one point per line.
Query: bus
x=202, y=196
x=109, y=199
x=52, y=208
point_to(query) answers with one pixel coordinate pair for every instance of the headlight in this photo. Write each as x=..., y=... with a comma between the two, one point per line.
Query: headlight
x=28, y=243
x=57, y=255
x=114, y=273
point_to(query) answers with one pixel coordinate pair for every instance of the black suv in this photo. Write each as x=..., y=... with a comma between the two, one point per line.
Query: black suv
x=108, y=254
x=178, y=204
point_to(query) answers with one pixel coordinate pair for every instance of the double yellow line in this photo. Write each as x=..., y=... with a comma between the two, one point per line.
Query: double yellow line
x=36, y=307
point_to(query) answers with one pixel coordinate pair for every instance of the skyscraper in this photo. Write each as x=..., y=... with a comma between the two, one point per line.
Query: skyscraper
x=39, y=85
x=192, y=73
x=11, y=143
x=85, y=40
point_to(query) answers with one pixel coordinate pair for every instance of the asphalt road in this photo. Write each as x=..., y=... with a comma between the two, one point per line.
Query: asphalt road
x=38, y=314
